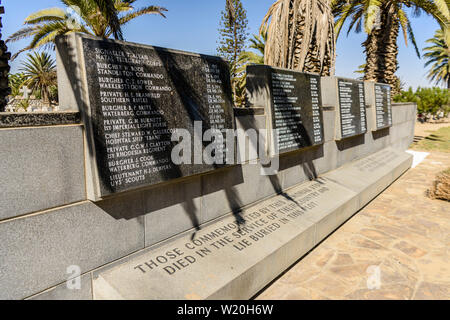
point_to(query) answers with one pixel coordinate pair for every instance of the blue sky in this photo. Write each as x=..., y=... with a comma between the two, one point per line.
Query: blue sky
x=192, y=25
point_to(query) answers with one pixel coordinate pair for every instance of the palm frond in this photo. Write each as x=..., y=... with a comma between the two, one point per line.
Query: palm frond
x=137, y=13
x=22, y=33
x=370, y=14
x=45, y=15
x=109, y=12
x=437, y=59
x=412, y=38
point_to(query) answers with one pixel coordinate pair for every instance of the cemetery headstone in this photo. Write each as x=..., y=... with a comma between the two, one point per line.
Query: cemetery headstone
x=292, y=101
x=25, y=92
x=134, y=97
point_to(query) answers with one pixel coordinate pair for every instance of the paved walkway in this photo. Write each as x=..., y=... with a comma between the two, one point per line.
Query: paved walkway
x=402, y=236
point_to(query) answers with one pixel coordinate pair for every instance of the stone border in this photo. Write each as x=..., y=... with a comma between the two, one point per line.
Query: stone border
x=394, y=104
x=36, y=119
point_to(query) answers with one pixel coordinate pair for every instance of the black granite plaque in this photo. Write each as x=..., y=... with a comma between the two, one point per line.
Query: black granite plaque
x=138, y=95
x=294, y=103
x=352, y=107
x=383, y=109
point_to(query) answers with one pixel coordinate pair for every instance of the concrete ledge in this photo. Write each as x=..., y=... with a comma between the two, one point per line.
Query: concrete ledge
x=215, y=262
x=68, y=291
x=371, y=175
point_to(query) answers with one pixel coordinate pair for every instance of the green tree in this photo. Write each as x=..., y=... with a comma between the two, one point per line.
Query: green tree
x=258, y=44
x=84, y=16
x=429, y=100
x=16, y=81
x=360, y=70
x=40, y=72
x=233, y=35
x=301, y=36
x=381, y=20
x=437, y=56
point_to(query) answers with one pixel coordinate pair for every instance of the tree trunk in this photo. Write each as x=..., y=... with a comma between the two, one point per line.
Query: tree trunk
x=45, y=96
x=5, y=56
x=301, y=36
x=381, y=50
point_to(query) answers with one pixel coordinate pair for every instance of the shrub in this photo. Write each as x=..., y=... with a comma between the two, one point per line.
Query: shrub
x=429, y=100
x=441, y=187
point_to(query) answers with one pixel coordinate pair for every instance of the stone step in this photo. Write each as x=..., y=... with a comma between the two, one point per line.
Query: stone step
x=237, y=256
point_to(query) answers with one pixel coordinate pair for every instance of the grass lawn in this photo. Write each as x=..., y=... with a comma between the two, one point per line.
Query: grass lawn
x=437, y=141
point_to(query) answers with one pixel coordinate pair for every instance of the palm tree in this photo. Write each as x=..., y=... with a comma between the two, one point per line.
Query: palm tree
x=438, y=58
x=258, y=43
x=101, y=18
x=40, y=73
x=443, y=17
x=301, y=36
x=381, y=20
x=108, y=8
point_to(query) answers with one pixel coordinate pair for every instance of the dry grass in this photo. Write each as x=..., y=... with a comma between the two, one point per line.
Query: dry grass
x=439, y=140
x=441, y=186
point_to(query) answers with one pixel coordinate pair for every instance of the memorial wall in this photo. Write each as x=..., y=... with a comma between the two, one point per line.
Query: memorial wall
x=135, y=97
x=122, y=212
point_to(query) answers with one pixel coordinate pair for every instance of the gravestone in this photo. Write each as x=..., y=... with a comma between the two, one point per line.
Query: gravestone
x=25, y=92
x=292, y=101
x=133, y=98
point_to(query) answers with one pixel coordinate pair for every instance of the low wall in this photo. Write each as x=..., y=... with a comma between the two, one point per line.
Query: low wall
x=47, y=224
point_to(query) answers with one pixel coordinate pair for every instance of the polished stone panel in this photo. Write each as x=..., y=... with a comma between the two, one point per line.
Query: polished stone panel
x=136, y=97
x=352, y=107
x=293, y=106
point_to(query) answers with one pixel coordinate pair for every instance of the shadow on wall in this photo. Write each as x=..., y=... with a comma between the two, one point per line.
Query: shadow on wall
x=131, y=205
x=259, y=87
x=144, y=201
x=350, y=142
x=380, y=133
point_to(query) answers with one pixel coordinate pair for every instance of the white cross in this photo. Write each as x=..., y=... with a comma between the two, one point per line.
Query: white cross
x=25, y=91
